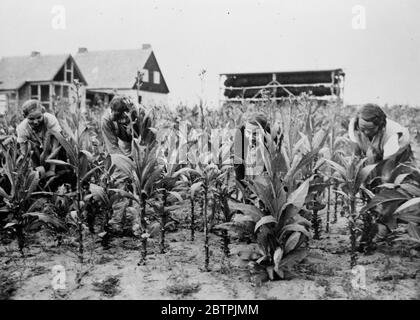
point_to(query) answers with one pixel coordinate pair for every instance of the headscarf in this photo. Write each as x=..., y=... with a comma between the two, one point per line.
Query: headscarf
x=31, y=105
x=373, y=113
x=373, y=149
x=121, y=103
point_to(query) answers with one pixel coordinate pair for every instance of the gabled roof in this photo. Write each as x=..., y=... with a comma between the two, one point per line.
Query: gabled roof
x=15, y=71
x=113, y=69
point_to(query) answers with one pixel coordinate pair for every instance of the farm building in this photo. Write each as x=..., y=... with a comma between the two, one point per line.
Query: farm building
x=42, y=77
x=323, y=84
x=115, y=71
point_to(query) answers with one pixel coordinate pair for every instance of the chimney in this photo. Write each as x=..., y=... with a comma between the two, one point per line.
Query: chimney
x=82, y=50
x=35, y=54
x=146, y=46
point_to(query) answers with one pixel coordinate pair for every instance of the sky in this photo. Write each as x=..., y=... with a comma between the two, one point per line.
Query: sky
x=376, y=43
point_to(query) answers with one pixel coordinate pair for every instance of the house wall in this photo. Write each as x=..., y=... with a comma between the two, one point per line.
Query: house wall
x=25, y=94
x=154, y=98
x=8, y=100
x=148, y=98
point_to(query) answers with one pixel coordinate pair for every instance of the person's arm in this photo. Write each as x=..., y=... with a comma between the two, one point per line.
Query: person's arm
x=53, y=128
x=51, y=154
x=392, y=146
x=110, y=139
x=52, y=123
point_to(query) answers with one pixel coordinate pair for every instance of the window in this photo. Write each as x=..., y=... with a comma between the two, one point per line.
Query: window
x=65, y=92
x=68, y=71
x=41, y=92
x=156, y=77
x=34, y=92
x=145, y=73
x=57, y=91
x=45, y=93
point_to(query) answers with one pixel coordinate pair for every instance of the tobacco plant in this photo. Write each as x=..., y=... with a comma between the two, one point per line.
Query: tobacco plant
x=274, y=218
x=168, y=186
x=19, y=197
x=140, y=175
x=351, y=175
x=78, y=159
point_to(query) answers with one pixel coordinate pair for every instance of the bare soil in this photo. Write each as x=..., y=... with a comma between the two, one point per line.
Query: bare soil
x=392, y=272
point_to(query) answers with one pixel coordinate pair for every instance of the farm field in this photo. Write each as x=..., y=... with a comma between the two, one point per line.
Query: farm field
x=391, y=272
x=303, y=230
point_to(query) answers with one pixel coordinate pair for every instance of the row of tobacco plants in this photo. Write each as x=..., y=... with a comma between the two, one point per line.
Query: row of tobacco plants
x=308, y=170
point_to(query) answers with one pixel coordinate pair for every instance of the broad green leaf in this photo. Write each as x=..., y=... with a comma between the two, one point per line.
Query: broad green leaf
x=70, y=150
x=388, y=185
x=87, y=154
x=296, y=228
x=176, y=195
x=194, y=188
x=278, y=255
x=407, y=204
x=237, y=226
x=125, y=194
x=302, y=221
x=99, y=193
x=123, y=163
x=59, y=162
x=294, y=257
x=340, y=192
x=414, y=231
x=90, y=173
x=265, y=220
x=319, y=139
x=363, y=174
x=297, y=197
x=410, y=216
x=337, y=167
x=183, y=171
x=411, y=189
x=291, y=242
x=399, y=179
x=264, y=192
x=242, y=218
x=46, y=218
x=386, y=196
x=246, y=209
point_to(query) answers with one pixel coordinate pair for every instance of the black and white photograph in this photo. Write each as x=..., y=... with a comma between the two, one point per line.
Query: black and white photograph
x=234, y=152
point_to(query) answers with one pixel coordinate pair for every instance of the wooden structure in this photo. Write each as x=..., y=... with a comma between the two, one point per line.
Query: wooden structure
x=322, y=84
x=41, y=77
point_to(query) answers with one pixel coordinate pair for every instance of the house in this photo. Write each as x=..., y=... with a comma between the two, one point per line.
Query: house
x=41, y=77
x=257, y=86
x=114, y=72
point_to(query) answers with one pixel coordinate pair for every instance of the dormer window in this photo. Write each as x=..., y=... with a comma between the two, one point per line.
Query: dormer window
x=156, y=77
x=145, y=73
